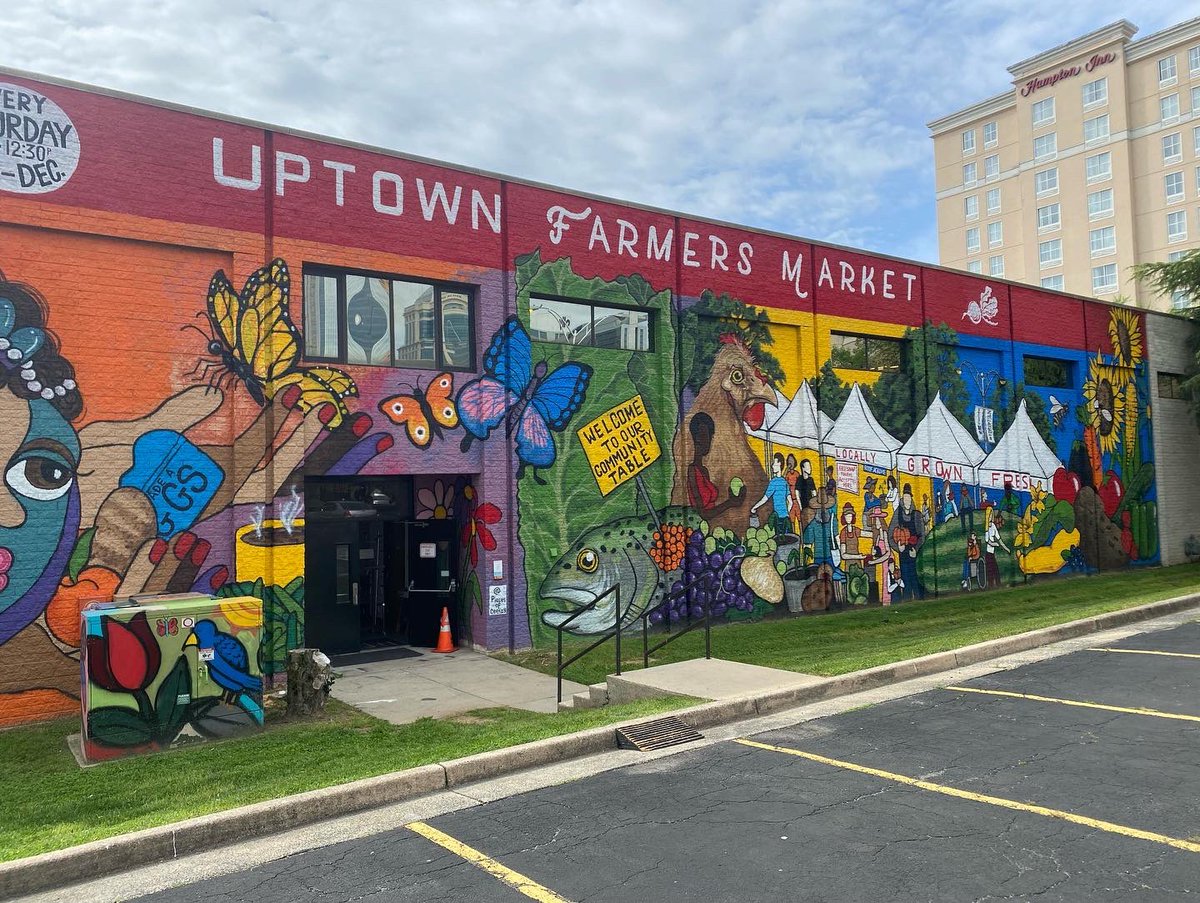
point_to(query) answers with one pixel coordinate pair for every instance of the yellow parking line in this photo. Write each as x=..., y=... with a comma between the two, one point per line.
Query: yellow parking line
x=515, y=880
x=1144, y=652
x=1153, y=713
x=1084, y=820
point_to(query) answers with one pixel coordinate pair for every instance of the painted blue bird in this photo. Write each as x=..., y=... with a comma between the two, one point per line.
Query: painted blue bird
x=230, y=664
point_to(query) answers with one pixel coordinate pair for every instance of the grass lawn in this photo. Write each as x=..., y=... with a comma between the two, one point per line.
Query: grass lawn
x=839, y=642
x=48, y=802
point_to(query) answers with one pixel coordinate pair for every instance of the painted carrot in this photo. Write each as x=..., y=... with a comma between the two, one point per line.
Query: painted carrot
x=1093, y=453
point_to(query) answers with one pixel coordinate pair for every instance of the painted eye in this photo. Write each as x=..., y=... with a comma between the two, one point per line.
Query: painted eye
x=587, y=561
x=736, y=376
x=39, y=477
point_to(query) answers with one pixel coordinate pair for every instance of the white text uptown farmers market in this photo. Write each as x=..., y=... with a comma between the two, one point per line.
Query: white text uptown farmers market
x=39, y=148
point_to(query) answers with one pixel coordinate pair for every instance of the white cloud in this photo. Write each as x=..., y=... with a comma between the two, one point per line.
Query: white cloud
x=805, y=118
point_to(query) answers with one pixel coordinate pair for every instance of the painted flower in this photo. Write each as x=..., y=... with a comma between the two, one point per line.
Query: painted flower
x=1025, y=525
x=1125, y=333
x=436, y=503
x=478, y=528
x=1037, y=499
x=1104, y=396
x=125, y=657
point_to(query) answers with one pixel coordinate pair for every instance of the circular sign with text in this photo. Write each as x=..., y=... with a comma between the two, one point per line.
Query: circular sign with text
x=39, y=147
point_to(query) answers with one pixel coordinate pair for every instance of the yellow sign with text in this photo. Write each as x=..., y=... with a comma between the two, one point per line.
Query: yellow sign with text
x=619, y=444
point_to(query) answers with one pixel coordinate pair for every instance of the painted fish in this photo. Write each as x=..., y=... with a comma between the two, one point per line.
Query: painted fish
x=614, y=553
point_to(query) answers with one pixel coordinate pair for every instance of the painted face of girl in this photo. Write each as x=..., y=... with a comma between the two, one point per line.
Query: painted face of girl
x=39, y=506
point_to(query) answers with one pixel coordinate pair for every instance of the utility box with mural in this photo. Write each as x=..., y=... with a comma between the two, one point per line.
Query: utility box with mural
x=161, y=671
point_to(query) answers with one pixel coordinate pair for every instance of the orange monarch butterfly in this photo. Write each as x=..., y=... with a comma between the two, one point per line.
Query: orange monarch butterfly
x=253, y=340
x=424, y=414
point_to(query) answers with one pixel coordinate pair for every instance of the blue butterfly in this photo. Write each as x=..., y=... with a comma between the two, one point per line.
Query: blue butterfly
x=525, y=396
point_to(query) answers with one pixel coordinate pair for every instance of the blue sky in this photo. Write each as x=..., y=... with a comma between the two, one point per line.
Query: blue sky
x=805, y=117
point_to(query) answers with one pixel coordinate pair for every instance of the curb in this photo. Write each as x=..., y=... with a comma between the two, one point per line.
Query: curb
x=102, y=857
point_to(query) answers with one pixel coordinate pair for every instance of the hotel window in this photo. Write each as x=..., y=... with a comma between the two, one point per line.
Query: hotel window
x=971, y=206
x=580, y=323
x=1095, y=93
x=1050, y=252
x=968, y=142
x=1045, y=146
x=1196, y=141
x=1173, y=187
x=1177, y=226
x=1054, y=283
x=1095, y=129
x=1102, y=241
x=1170, y=385
x=1172, y=148
x=1104, y=278
x=1100, y=203
x=1176, y=255
x=973, y=240
x=849, y=351
x=389, y=321
x=993, y=201
x=969, y=174
x=1198, y=180
x=1168, y=108
x=974, y=266
x=996, y=265
x=1195, y=101
x=1043, y=112
x=990, y=134
x=1099, y=166
x=1167, y=74
x=1049, y=217
x=1194, y=61
x=1046, y=182
x=995, y=234
x=991, y=166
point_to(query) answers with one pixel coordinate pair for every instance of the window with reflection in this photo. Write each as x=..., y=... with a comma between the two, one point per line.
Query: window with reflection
x=569, y=322
x=378, y=319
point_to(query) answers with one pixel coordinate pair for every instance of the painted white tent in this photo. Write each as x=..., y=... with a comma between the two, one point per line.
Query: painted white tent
x=857, y=436
x=800, y=425
x=940, y=447
x=1021, y=455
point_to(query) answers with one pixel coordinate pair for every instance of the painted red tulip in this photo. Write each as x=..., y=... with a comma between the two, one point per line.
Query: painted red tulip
x=125, y=657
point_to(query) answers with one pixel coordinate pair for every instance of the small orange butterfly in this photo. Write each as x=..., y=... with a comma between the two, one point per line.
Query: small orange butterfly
x=424, y=414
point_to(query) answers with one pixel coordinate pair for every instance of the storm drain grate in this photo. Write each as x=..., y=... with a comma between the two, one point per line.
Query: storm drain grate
x=657, y=734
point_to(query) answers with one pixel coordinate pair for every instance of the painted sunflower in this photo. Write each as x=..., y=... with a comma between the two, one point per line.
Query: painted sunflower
x=1125, y=333
x=1024, y=530
x=1037, y=499
x=1104, y=395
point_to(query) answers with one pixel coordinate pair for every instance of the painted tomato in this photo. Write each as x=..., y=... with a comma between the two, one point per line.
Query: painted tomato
x=1065, y=485
x=1111, y=493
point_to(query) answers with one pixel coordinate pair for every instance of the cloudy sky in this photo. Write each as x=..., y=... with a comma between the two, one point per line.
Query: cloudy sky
x=805, y=117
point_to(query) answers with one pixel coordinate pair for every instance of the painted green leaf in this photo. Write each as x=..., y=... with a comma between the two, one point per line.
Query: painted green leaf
x=474, y=595
x=173, y=700
x=81, y=553
x=118, y=726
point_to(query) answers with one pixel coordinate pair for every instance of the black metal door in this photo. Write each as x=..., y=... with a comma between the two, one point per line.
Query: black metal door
x=431, y=566
x=332, y=622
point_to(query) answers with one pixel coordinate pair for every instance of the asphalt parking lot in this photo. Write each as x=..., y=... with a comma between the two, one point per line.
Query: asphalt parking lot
x=1074, y=778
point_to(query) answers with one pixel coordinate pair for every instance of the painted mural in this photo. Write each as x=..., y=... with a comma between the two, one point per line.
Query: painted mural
x=713, y=419
x=157, y=677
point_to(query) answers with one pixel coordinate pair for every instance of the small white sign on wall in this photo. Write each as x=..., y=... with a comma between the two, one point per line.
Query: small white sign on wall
x=498, y=599
x=429, y=550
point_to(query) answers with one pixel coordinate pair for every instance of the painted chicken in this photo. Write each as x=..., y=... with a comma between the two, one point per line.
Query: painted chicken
x=733, y=392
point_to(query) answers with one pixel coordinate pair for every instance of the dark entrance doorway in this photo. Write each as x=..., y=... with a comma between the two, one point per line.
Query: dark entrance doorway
x=375, y=578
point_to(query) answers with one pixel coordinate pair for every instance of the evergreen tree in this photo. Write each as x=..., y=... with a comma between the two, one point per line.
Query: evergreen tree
x=1182, y=275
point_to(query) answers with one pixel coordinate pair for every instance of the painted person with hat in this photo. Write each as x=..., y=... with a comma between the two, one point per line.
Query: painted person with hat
x=906, y=534
x=870, y=499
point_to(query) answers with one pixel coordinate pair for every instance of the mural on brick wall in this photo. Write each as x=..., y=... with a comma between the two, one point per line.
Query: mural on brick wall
x=793, y=492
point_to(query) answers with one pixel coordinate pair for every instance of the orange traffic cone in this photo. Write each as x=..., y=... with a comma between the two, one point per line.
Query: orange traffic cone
x=445, y=643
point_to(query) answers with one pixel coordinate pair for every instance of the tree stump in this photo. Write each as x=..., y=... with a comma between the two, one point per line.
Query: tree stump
x=309, y=679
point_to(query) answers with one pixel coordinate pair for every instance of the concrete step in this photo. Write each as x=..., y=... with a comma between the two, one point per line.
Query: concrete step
x=566, y=705
x=598, y=694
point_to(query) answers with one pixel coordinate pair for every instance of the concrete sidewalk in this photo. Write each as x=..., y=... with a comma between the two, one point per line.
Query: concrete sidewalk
x=433, y=685
x=334, y=811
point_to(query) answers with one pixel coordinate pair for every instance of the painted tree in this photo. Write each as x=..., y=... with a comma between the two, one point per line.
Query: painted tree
x=703, y=324
x=929, y=365
x=831, y=393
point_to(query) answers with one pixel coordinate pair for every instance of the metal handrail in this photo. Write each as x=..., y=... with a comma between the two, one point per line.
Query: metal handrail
x=705, y=621
x=608, y=634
